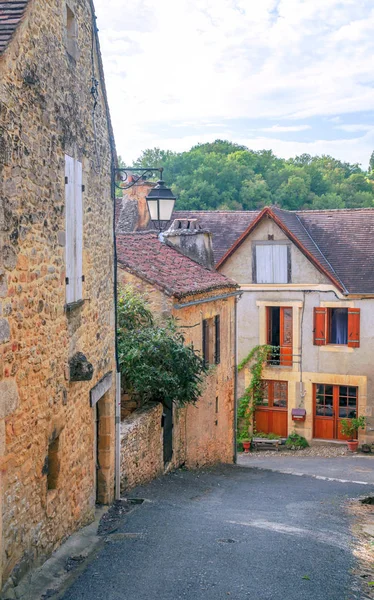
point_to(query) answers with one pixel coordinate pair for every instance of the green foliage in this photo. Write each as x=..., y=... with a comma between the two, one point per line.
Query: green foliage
x=155, y=362
x=350, y=427
x=267, y=436
x=296, y=441
x=253, y=393
x=227, y=176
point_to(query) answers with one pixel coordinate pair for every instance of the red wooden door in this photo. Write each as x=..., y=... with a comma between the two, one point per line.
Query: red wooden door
x=332, y=403
x=286, y=336
x=271, y=416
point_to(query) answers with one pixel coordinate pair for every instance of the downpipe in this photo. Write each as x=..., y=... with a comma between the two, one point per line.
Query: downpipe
x=118, y=438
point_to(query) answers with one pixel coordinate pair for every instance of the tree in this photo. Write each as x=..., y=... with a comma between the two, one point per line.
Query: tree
x=225, y=175
x=155, y=362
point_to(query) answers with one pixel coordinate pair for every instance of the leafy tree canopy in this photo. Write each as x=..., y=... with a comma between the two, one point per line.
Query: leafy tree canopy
x=227, y=176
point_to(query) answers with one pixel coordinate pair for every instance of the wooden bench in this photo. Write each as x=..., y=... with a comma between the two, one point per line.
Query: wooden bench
x=266, y=443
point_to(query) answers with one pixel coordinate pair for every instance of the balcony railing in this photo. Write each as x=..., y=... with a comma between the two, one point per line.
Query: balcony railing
x=281, y=356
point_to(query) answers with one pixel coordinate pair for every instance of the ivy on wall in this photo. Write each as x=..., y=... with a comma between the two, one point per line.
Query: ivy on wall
x=253, y=394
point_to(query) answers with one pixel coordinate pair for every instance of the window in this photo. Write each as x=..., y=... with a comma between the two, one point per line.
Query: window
x=74, y=230
x=217, y=341
x=279, y=334
x=212, y=340
x=274, y=394
x=53, y=464
x=272, y=263
x=71, y=33
x=336, y=326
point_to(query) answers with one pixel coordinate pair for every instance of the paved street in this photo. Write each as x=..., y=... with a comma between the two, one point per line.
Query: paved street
x=228, y=532
x=355, y=468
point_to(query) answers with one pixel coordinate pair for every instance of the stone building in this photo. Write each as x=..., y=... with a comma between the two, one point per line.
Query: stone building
x=204, y=304
x=307, y=283
x=57, y=351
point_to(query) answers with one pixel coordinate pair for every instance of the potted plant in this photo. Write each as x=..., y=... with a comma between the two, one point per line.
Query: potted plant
x=246, y=443
x=350, y=427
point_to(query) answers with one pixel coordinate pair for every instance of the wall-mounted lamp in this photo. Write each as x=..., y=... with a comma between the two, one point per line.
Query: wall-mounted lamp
x=160, y=200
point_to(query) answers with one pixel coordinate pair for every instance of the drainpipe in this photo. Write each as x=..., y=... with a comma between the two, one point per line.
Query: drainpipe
x=118, y=438
x=235, y=375
x=117, y=463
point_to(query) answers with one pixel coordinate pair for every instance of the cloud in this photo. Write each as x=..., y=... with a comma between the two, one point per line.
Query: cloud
x=355, y=127
x=210, y=61
x=286, y=128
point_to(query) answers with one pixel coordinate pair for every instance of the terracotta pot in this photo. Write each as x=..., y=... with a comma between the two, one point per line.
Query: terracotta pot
x=352, y=445
x=246, y=447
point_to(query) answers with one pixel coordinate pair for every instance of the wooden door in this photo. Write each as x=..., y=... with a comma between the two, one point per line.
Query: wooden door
x=332, y=403
x=167, y=424
x=286, y=336
x=271, y=416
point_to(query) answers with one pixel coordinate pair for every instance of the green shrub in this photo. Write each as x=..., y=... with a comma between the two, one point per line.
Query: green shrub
x=155, y=362
x=296, y=441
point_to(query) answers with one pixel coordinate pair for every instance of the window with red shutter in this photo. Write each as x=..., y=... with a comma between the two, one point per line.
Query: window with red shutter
x=354, y=327
x=319, y=331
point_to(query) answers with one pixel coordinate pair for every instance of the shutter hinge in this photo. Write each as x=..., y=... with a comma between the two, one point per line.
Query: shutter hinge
x=83, y=278
x=83, y=188
x=66, y=180
x=67, y=280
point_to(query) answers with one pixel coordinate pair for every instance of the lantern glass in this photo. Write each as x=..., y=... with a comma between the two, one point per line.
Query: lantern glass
x=166, y=208
x=153, y=209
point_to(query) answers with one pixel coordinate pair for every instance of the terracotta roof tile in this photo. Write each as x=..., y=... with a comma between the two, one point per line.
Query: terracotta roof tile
x=11, y=12
x=340, y=241
x=226, y=226
x=143, y=254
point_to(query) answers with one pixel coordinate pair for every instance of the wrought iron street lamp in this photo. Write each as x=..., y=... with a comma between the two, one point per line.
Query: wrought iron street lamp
x=160, y=200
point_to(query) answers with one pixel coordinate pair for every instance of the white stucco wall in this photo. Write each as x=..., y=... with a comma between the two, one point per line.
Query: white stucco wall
x=320, y=364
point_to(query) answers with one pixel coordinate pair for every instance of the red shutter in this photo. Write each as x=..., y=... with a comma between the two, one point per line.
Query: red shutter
x=319, y=331
x=286, y=336
x=354, y=327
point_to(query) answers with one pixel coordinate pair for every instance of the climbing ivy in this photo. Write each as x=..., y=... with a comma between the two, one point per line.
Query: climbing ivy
x=253, y=393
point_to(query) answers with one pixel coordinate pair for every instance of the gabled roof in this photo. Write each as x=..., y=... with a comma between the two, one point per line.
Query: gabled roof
x=144, y=255
x=226, y=226
x=11, y=13
x=337, y=242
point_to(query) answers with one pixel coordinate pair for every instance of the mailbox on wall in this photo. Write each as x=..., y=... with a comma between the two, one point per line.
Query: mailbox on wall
x=298, y=414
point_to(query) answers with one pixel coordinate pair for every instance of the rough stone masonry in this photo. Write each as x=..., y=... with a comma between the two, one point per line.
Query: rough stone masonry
x=49, y=443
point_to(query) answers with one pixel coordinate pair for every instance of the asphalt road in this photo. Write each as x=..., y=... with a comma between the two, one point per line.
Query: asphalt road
x=228, y=533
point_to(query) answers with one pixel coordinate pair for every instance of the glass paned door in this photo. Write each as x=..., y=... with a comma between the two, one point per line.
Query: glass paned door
x=332, y=403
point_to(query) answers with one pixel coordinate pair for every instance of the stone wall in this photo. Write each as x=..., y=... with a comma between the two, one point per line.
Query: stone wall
x=141, y=447
x=202, y=434
x=45, y=113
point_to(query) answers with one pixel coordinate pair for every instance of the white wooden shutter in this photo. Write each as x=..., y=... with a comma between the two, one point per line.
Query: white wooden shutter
x=279, y=260
x=78, y=231
x=264, y=267
x=69, y=229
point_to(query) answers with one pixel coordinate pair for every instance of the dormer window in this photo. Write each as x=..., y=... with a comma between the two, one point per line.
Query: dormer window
x=272, y=263
x=71, y=33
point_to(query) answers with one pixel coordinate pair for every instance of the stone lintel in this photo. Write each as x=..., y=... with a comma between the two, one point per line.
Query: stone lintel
x=101, y=388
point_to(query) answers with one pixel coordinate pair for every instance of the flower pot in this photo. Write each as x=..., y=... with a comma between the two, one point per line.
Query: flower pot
x=246, y=447
x=352, y=445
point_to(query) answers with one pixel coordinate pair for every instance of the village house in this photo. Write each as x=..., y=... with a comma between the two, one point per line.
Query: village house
x=57, y=343
x=307, y=283
x=203, y=302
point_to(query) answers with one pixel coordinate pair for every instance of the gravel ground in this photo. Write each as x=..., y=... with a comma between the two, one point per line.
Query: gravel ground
x=364, y=548
x=324, y=451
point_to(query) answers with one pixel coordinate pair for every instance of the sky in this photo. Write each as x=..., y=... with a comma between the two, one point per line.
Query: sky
x=292, y=76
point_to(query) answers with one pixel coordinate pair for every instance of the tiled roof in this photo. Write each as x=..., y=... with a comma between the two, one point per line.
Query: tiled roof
x=144, y=255
x=11, y=12
x=346, y=239
x=226, y=226
x=338, y=242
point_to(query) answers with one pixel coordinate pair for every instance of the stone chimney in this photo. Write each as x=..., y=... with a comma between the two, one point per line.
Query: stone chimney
x=188, y=236
x=131, y=210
